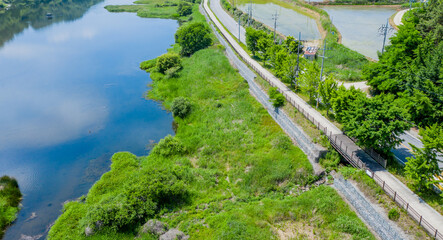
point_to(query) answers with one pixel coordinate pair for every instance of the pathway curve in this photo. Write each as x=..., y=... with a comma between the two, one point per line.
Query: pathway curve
x=227, y=20
x=399, y=16
x=415, y=206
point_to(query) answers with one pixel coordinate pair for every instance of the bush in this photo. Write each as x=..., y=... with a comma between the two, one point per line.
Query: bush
x=276, y=98
x=193, y=37
x=184, y=9
x=394, y=214
x=168, y=146
x=10, y=197
x=168, y=61
x=181, y=107
x=150, y=190
x=147, y=65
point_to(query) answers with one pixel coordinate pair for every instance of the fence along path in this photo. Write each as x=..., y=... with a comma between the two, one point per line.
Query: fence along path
x=426, y=217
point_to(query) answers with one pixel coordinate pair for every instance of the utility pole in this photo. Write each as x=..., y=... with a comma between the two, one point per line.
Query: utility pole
x=297, y=68
x=383, y=30
x=274, y=17
x=322, y=64
x=239, y=29
x=250, y=13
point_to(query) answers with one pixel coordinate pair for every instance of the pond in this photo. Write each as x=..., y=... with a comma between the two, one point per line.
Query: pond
x=71, y=95
x=289, y=21
x=359, y=27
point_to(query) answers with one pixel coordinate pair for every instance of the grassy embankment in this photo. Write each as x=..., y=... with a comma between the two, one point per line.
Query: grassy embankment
x=235, y=174
x=10, y=197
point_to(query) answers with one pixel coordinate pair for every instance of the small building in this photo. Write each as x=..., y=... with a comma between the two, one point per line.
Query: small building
x=310, y=53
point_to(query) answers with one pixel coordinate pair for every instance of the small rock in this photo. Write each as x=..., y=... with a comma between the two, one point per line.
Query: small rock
x=174, y=234
x=89, y=231
x=155, y=227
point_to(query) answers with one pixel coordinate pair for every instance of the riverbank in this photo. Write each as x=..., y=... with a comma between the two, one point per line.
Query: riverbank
x=10, y=198
x=235, y=173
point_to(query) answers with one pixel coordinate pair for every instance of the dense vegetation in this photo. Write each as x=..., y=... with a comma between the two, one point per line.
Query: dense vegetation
x=10, y=197
x=229, y=173
x=410, y=75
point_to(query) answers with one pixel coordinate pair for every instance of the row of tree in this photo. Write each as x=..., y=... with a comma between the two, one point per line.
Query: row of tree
x=410, y=72
x=376, y=122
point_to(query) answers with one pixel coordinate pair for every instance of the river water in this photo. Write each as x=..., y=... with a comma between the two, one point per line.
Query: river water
x=71, y=95
x=359, y=27
x=289, y=21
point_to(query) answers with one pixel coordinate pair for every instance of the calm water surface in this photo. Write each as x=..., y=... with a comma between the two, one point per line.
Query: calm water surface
x=71, y=95
x=289, y=22
x=359, y=27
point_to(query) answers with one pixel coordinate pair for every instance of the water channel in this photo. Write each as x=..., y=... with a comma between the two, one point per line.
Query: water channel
x=359, y=27
x=71, y=95
x=289, y=21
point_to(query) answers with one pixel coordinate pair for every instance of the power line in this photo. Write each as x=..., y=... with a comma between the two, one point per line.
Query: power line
x=275, y=17
x=383, y=31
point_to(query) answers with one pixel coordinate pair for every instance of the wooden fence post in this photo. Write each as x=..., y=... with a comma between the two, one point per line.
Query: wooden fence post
x=395, y=194
x=419, y=223
x=383, y=187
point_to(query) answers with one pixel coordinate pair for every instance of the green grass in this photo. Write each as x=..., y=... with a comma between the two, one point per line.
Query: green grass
x=150, y=9
x=240, y=173
x=10, y=197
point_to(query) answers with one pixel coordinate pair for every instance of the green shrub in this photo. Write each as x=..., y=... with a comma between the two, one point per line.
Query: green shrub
x=168, y=61
x=147, y=191
x=282, y=142
x=331, y=160
x=394, y=214
x=147, y=65
x=184, y=9
x=193, y=37
x=10, y=197
x=181, y=107
x=277, y=99
x=169, y=146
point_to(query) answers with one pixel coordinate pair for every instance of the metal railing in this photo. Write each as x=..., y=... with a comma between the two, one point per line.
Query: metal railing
x=349, y=155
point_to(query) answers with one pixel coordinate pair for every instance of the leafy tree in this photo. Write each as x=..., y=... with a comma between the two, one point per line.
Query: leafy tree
x=264, y=44
x=310, y=80
x=327, y=90
x=422, y=168
x=343, y=99
x=252, y=37
x=168, y=61
x=432, y=137
x=277, y=99
x=291, y=44
x=184, y=9
x=181, y=107
x=375, y=123
x=193, y=37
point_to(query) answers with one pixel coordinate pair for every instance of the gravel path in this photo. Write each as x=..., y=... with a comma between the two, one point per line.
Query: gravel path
x=378, y=222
